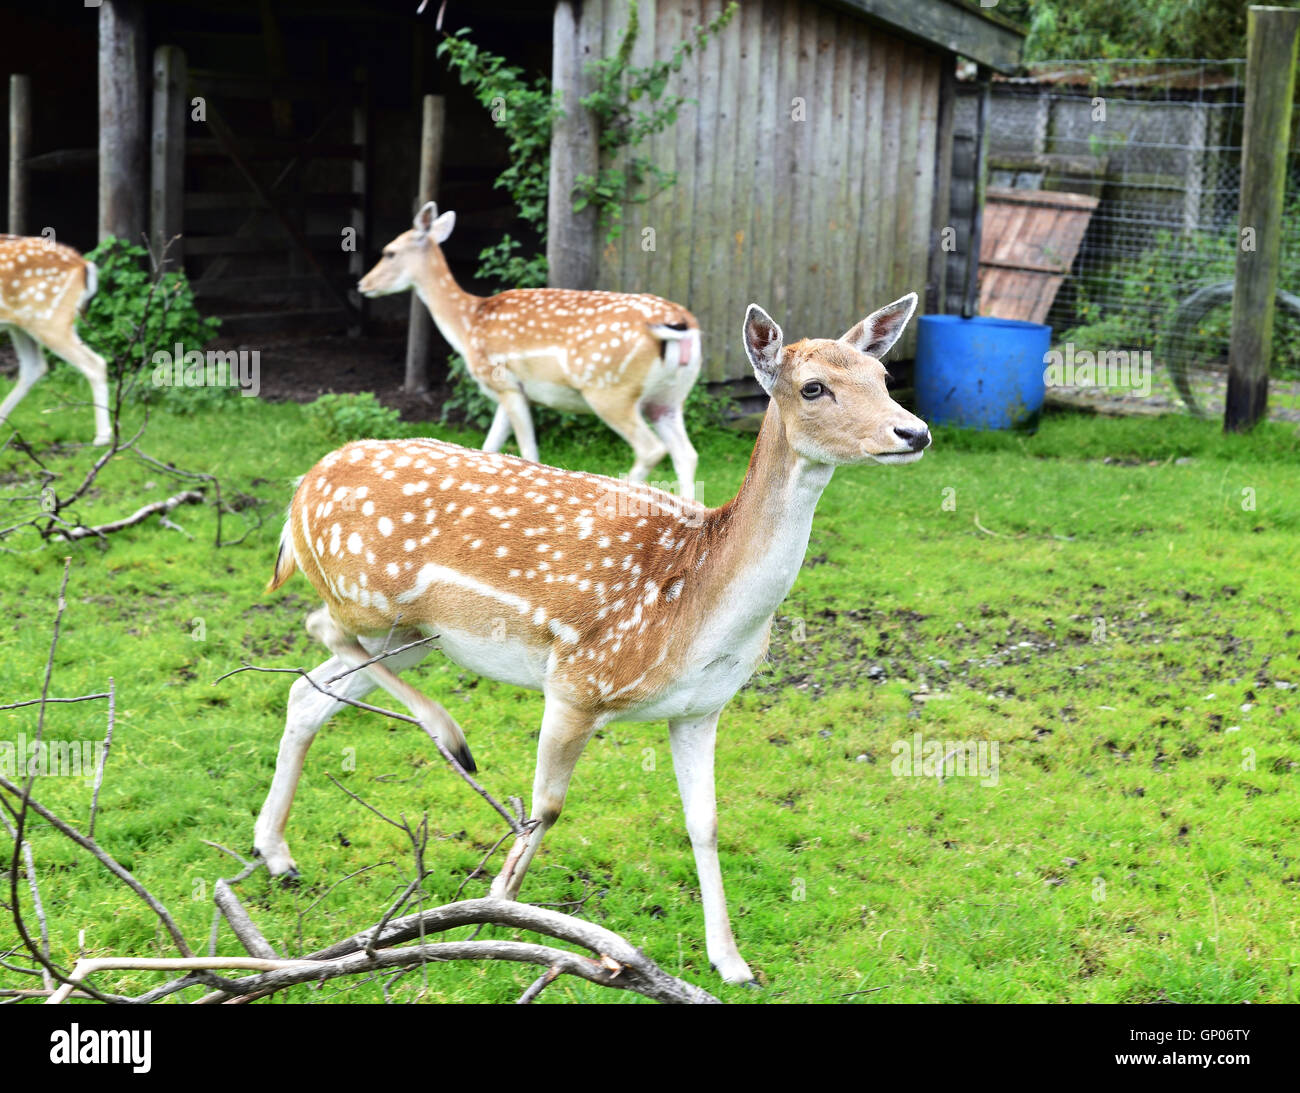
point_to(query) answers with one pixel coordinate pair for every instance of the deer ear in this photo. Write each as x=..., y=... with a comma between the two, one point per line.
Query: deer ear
x=425, y=217
x=877, y=333
x=442, y=227
x=763, y=344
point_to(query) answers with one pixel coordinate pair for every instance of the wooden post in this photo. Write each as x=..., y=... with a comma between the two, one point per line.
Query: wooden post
x=20, y=147
x=361, y=206
x=572, y=249
x=1272, y=34
x=936, y=288
x=122, y=157
x=167, y=156
x=419, y=332
x=971, y=303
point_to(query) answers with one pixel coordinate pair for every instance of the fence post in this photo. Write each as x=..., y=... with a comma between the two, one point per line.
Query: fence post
x=361, y=183
x=121, y=120
x=419, y=332
x=1272, y=34
x=167, y=156
x=20, y=147
x=571, y=244
x=971, y=299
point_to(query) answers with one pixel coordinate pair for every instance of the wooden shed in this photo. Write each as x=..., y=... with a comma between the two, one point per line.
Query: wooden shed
x=812, y=164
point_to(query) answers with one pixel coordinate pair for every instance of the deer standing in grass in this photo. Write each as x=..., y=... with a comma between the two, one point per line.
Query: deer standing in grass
x=44, y=286
x=622, y=357
x=617, y=601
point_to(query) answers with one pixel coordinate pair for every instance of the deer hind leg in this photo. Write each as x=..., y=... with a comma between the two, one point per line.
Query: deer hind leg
x=668, y=423
x=91, y=365
x=619, y=410
x=309, y=709
x=346, y=646
x=31, y=367
x=693, y=746
x=565, y=732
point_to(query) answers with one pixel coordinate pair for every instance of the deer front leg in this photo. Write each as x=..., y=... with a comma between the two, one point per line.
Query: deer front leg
x=565, y=732
x=515, y=404
x=31, y=367
x=693, y=741
x=500, y=431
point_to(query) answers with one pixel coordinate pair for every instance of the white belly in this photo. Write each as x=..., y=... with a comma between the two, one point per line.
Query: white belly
x=508, y=660
x=556, y=395
x=717, y=673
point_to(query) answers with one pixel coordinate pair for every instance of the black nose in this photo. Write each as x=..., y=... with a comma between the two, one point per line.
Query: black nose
x=916, y=439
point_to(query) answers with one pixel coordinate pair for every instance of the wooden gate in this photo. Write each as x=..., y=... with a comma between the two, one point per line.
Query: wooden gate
x=266, y=183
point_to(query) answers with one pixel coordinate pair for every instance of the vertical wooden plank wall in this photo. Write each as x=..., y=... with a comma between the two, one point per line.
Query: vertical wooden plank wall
x=819, y=220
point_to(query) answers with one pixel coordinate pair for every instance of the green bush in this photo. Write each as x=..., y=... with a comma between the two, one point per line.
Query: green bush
x=1131, y=303
x=130, y=318
x=341, y=418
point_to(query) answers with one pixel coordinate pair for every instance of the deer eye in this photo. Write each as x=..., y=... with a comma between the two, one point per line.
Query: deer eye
x=813, y=390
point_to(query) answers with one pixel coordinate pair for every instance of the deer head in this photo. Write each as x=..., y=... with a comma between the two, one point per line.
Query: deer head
x=831, y=394
x=403, y=258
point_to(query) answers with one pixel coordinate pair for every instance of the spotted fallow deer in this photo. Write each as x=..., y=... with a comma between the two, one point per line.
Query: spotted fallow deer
x=622, y=357
x=44, y=286
x=617, y=601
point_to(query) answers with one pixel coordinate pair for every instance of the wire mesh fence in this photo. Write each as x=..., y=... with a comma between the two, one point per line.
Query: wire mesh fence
x=1158, y=144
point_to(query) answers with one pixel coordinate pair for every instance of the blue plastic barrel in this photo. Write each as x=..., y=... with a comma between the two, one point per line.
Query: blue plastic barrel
x=980, y=373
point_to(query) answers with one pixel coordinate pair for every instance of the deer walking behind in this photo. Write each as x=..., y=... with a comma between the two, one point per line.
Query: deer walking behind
x=617, y=601
x=622, y=357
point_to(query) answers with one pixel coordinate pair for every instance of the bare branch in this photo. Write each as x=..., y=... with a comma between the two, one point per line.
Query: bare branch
x=538, y=985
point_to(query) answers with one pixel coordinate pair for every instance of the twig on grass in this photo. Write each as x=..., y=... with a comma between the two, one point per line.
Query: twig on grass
x=106, y=860
x=103, y=756
x=52, y=701
x=187, y=497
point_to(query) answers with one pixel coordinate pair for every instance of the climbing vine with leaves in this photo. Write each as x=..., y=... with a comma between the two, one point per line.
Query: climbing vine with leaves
x=631, y=104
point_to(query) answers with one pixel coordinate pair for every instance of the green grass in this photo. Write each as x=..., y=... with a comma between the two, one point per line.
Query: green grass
x=1111, y=601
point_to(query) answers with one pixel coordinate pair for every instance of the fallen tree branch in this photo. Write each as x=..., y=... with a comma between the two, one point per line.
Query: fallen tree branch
x=82, y=531
x=90, y=965
x=250, y=937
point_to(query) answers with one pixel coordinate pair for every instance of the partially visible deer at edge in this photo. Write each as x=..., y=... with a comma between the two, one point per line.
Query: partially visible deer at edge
x=44, y=286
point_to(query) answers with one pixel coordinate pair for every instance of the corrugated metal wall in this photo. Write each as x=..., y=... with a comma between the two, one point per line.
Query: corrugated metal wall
x=819, y=220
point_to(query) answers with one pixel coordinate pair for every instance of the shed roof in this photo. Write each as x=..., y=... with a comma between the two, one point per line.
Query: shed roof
x=952, y=25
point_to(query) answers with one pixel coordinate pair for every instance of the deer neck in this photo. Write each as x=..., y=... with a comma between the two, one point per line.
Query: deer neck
x=760, y=536
x=451, y=306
